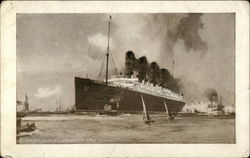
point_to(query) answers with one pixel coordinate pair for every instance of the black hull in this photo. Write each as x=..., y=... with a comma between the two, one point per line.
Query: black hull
x=91, y=95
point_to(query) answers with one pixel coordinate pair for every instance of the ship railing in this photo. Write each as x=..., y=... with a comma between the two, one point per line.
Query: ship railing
x=122, y=79
x=148, y=90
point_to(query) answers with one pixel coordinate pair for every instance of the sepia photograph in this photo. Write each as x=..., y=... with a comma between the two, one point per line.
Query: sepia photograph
x=124, y=79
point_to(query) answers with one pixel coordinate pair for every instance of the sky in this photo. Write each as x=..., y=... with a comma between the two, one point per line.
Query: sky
x=54, y=48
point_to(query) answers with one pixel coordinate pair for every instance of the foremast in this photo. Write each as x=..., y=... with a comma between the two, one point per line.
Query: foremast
x=108, y=50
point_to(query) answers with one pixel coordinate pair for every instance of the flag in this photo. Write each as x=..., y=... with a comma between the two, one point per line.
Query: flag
x=110, y=18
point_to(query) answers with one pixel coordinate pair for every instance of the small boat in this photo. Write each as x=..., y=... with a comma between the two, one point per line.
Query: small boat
x=108, y=111
x=146, y=118
x=26, y=128
x=21, y=114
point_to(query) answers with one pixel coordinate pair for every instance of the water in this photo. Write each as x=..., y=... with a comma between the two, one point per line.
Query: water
x=129, y=128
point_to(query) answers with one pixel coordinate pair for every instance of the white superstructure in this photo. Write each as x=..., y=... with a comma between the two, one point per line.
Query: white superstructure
x=144, y=87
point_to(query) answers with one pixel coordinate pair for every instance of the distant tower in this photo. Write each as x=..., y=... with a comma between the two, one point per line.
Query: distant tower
x=26, y=103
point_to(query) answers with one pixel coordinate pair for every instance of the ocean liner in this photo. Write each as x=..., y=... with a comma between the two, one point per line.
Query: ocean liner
x=123, y=92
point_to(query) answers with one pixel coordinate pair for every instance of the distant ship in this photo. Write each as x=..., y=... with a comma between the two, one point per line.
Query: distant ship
x=123, y=92
x=216, y=108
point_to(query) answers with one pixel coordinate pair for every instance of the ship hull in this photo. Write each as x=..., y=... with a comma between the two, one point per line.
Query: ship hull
x=91, y=95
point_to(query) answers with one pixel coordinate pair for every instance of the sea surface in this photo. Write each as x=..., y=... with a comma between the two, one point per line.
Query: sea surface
x=128, y=128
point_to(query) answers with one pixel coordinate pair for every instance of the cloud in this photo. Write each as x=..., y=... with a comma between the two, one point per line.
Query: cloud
x=99, y=40
x=48, y=92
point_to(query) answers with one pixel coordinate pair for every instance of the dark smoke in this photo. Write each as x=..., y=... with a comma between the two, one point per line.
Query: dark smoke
x=187, y=30
x=164, y=78
x=212, y=95
x=150, y=72
x=177, y=84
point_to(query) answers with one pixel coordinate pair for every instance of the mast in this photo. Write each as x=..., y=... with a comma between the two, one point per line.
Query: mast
x=173, y=75
x=107, y=63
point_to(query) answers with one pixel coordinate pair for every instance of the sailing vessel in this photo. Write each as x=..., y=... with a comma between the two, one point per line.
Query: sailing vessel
x=169, y=116
x=123, y=92
x=145, y=115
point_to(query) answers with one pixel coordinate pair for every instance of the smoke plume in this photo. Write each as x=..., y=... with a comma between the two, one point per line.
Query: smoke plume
x=212, y=95
x=187, y=30
x=150, y=72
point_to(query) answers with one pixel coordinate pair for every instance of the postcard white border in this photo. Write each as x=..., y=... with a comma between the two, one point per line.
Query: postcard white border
x=8, y=80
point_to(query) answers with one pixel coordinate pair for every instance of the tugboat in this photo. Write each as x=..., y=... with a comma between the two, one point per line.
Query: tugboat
x=25, y=128
x=108, y=111
x=216, y=108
